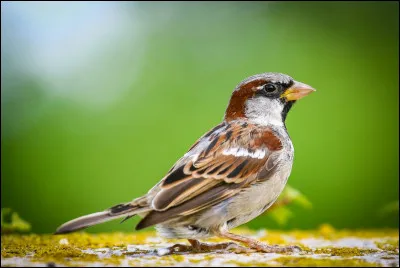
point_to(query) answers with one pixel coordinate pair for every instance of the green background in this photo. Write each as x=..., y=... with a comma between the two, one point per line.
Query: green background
x=99, y=100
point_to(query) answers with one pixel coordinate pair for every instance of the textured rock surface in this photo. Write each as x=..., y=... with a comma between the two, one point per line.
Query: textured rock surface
x=323, y=247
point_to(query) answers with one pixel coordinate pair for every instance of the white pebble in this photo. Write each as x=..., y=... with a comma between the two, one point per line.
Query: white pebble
x=64, y=241
x=162, y=251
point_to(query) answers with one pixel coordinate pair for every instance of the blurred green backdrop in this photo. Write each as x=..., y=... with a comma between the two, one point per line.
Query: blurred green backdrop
x=98, y=100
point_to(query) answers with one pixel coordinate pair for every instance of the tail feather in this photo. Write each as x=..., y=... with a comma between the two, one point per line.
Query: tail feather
x=118, y=211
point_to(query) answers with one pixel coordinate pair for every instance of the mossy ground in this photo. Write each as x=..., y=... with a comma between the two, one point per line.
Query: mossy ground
x=323, y=247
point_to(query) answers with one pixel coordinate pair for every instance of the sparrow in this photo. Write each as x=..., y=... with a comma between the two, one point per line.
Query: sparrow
x=229, y=176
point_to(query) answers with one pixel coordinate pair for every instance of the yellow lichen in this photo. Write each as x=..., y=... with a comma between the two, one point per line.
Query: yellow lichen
x=344, y=251
x=195, y=260
x=326, y=231
x=320, y=262
x=252, y=264
x=273, y=239
x=67, y=249
x=178, y=258
x=389, y=245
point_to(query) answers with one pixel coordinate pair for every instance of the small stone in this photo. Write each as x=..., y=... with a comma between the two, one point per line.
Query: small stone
x=64, y=241
x=163, y=251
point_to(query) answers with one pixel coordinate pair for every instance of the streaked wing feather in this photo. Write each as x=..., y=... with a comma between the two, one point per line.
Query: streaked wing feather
x=231, y=158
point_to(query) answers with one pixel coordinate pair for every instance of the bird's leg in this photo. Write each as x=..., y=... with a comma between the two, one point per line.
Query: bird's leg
x=254, y=244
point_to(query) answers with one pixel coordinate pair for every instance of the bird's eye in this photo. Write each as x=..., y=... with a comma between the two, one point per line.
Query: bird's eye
x=270, y=88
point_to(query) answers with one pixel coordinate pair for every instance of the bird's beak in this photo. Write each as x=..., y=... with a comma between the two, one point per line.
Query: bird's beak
x=297, y=91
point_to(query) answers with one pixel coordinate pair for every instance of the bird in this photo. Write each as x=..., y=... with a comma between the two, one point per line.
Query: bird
x=229, y=176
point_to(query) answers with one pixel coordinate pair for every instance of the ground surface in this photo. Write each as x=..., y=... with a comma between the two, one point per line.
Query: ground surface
x=323, y=247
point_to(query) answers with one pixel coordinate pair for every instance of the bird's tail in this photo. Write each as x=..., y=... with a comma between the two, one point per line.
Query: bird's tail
x=122, y=210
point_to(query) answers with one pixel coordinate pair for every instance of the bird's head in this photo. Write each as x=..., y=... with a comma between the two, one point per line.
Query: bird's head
x=265, y=98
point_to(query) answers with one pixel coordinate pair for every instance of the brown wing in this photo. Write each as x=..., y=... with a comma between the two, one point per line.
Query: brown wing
x=219, y=165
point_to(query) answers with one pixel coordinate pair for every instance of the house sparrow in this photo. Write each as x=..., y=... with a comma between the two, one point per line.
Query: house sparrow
x=232, y=174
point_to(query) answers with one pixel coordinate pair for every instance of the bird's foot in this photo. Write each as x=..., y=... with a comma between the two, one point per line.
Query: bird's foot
x=199, y=247
x=274, y=248
x=177, y=248
x=255, y=244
